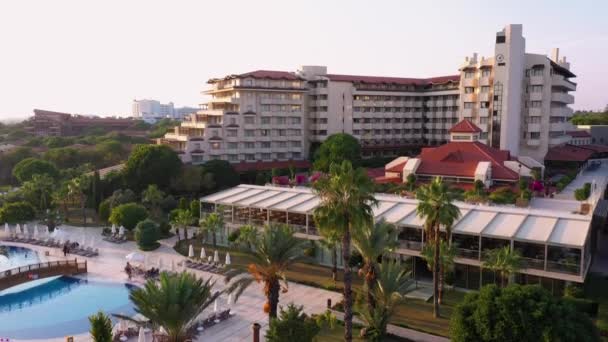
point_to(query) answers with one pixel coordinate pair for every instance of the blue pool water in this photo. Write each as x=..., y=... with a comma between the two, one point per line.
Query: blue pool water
x=16, y=256
x=59, y=307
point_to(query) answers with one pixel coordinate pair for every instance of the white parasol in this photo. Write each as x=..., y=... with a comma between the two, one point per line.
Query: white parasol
x=35, y=230
x=142, y=335
x=227, y=258
x=215, y=306
x=25, y=232
x=216, y=257
x=121, y=231
x=136, y=257
x=203, y=254
x=17, y=229
x=113, y=229
x=190, y=252
x=7, y=230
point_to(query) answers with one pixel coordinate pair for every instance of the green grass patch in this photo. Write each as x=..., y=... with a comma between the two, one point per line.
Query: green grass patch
x=337, y=334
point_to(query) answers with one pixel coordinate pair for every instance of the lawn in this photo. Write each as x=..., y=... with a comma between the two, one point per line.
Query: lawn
x=337, y=334
x=595, y=289
x=414, y=314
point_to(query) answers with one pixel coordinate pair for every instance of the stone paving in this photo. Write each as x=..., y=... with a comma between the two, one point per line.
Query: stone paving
x=248, y=309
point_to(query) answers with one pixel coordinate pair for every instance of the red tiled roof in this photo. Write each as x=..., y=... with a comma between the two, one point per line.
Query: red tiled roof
x=596, y=148
x=259, y=165
x=579, y=134
x=397, y=167
x=465, y=126
x=461, y=159
x=569, y=153
x=271, y=74
x=375, y=172
x=393, y=80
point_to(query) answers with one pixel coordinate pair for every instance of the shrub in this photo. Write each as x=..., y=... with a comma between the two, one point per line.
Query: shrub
x=27, y=168
x=147, y=234
x=503, y=196
x=583, y=305
x=573, y=291
x=165, y=229
x=17, y=212
x=292, y=325
x=356, y=260
x=233, y=236
x=104, y=211
x=101, y=327
x=128, y=215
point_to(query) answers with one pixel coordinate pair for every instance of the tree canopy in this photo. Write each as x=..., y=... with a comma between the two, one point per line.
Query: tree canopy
x=518, y=313
x=16, y=212
x=222, y=173
x=128, y=215
x=590, y=118
x=27, y=168
x=335, y=149
x=151, y=164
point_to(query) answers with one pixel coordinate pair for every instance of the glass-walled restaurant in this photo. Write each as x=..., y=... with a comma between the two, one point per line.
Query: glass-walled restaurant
x=554, y=245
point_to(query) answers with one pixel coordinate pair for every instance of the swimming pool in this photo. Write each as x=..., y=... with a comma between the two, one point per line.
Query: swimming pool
x=13, y=256
x=59, y=307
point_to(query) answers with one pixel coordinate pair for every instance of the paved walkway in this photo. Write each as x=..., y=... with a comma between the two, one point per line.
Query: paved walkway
x=248, y=310
x=410, y=334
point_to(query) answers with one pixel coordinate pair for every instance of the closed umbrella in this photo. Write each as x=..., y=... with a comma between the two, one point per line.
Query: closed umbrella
x=203, y=254
x=7, y=230
x=216, y=257
x=25, y=232
x=142, y=335
x=227, y=258
x=121, y=231
x=17, y=229
x=113, y=229
x=84, y=239
x=47, y=231
x=190, y=252
x=35, y=230
x=215, y=306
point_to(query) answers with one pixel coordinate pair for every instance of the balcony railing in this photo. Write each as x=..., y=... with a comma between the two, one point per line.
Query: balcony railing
x=467, y=253
x=413, y=245
x=536, y=264
x=564, y=267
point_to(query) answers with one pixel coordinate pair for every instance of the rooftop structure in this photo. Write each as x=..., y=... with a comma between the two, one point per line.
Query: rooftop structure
x=546, y=238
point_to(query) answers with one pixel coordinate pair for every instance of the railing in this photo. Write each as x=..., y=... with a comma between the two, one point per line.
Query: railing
x=467, y=253
x=27, y=273
x=570, y=268
x=413, y=245
x=537, y=264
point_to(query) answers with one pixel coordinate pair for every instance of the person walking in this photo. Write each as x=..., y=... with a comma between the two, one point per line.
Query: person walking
x=65, y=250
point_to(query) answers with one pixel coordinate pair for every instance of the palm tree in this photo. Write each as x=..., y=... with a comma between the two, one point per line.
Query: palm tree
x=372, y=242
x=174, y=302
x=447, y=253
x=276, y=249
x=152, y=198
x=331, y=241
x=504, y=261
x=212, y=224
x=346, y=200
x=60, y=197
x=101, y=327
x=248, y=235
x=182, y=220
x=77, y=188
x=392, y=282
x=436, y=207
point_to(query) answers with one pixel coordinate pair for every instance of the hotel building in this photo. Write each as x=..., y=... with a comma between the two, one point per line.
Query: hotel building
x=519, y=101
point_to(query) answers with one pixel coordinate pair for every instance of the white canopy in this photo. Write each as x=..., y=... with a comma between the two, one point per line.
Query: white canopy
x=216, y=257
x=203, y=253
x=136, y=257
x=228, y=261
x=190, y=252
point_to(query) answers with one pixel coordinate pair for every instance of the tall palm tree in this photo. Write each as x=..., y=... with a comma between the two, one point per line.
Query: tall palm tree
x=182, y=220
x=392, y=282
x=77, y=188
x=436, y=207
x=447, y=253
x=248, y=235
x=504, y=261
x=276, y=249
x=212, y=224
x=373, y=241
x=331, y=241
x=346, y=200
x=40, y=189
x=174, y=302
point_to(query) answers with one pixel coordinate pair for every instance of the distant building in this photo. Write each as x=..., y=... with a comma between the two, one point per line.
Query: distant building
x=580, y=137
x=599, y=133
x=463, y=160
x=152, y=111
x=48, y=123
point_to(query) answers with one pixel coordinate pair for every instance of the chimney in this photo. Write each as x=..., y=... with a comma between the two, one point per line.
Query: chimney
x=475, y=57
x=555, y=55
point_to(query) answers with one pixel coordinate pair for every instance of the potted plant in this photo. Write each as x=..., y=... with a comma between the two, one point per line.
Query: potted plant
x=524, y=194
x=581, y=195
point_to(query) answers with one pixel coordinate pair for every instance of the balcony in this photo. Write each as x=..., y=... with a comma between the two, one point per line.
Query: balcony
x=535, y=112
x=411, y=245
x=469, y=97
x=536, y=264
x=467, y=112
x=484, y=81
x=533, y=142
x=483, y=97
x=562, y=111
x=564, y=267
x=560, y=81
x=537, y=80
x=469, y=82
x=536, y=96
x=281, y=101
x=483, y=112
x=533, y=127
x=562, y=97
x=225, y=99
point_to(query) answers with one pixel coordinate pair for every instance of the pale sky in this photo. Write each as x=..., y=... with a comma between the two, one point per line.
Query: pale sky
x=95, y=57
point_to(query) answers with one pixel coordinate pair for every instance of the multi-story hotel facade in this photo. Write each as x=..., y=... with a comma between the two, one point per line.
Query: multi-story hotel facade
x=519, y=100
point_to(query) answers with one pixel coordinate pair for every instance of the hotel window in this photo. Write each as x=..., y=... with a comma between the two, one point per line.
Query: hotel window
x=469, y=74
x=536, y=89
x=296, y=121
x=247, y=82
x=249, y=133
x=296, y=96
x=468, y=105
x=250, y=156
x=265, y=120
x=296, y=108
x=233, y=145
x=265, y=144
x=483, y=135
x=469, y=90
x=265, y=132
x=322, y=132
x=249, y=120
x=536, y=72
x=536, y=104
x=231, y=132
x=249, y=145
x=215, y=145
x=534, y=135
x=266, y=156
x=280, y=120
x=485, y=73
x=265, y=108
x=484, y=104
x=484, y=89
x=233, y=157
x=483, y=120
x=356, y=132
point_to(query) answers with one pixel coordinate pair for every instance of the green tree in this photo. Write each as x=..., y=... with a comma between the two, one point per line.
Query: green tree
x=335, y=149
x=331, y=241
x=447, y=253
x=411, y=182
x=174, y=302
x=275, y=251
x=27, y=168
x=346, y=198
x=392, y=282
x=104, y=211
x=504, y=261
x=211, y=225
x=39, y=191
x=195, y=209
x=222, y=173
x=292, y=325
x=101, y=327
x=77, y=188
x=17, y=212
x=128, y=215
x=182, y=219
x=147, y=234
x=436, y=206
x=152, y=198
x=151, y=164
x=189, y=181
x=518, y=313
x=9, y=159
x=247, y=236
x=373, y=241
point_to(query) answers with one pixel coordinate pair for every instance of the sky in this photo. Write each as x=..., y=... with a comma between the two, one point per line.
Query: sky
x=95, y=57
